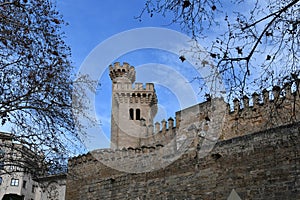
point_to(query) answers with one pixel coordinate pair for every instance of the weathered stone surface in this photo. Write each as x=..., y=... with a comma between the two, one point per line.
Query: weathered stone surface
x=263, y=165
x=257, y=153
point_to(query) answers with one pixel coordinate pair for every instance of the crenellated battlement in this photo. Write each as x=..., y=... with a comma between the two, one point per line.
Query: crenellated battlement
x=164, y=125
x=126, y=93
x=131, y=103
x=252, y=142
x=141, y=98
x=265, y=162
x=141, y=87
x=117, y=71
x=138, y=103
x=137, y=87
x=160, y=133
x=268, y=109
x=275, y=97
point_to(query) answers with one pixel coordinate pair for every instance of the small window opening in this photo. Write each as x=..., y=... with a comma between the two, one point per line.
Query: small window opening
x=131, y=114
x=138, y=114
x=24, y=184
x=14, y=182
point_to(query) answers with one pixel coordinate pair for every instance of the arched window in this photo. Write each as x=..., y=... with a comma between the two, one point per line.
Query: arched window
x=138, y=114
x=131, y=114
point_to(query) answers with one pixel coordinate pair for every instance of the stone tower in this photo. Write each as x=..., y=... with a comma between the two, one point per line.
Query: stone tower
x=133, y=107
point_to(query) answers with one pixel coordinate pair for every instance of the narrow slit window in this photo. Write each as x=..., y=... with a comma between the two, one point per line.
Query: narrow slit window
x=24, y=184
x=138, y=114
x=131, y=114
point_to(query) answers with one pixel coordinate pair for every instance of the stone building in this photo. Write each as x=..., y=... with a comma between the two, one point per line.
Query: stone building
x=21, y=174
x=133, y=108
x=210, y=151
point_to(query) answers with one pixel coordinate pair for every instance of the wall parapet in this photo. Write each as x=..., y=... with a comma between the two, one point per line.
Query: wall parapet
x=269, y=109
x=117, y=154
x=117, y=70
x=250, y=161
x=275, y=97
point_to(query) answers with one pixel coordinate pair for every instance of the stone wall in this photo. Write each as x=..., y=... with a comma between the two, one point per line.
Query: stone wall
x=257, y=154
x=269, y=109
x=262, y=165
x=133, y=107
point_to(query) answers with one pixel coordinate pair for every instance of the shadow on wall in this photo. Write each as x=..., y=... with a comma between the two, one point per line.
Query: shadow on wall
x=12, y=197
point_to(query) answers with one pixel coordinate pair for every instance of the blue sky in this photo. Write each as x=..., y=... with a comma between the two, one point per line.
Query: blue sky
x=90, y=23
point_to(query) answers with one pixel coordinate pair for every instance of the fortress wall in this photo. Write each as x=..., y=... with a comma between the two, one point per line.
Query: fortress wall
x=257, y=154
x=166, y=131
x=270, y=109
x=263, y=165
x=161, y=133
x=86, y=171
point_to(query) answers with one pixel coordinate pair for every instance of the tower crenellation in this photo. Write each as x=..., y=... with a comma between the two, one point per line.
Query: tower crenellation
x=257, y=137
x=118, y=72
x=134, y=107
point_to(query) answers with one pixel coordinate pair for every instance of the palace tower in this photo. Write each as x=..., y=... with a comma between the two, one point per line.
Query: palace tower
x=133, y=107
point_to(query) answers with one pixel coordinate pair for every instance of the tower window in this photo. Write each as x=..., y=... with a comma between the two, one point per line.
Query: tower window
x=14, y=182
x=138, y=114
x=24, y=184
x=131, y=114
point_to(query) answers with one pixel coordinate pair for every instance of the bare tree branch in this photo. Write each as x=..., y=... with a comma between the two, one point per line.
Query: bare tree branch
x=250, y=41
